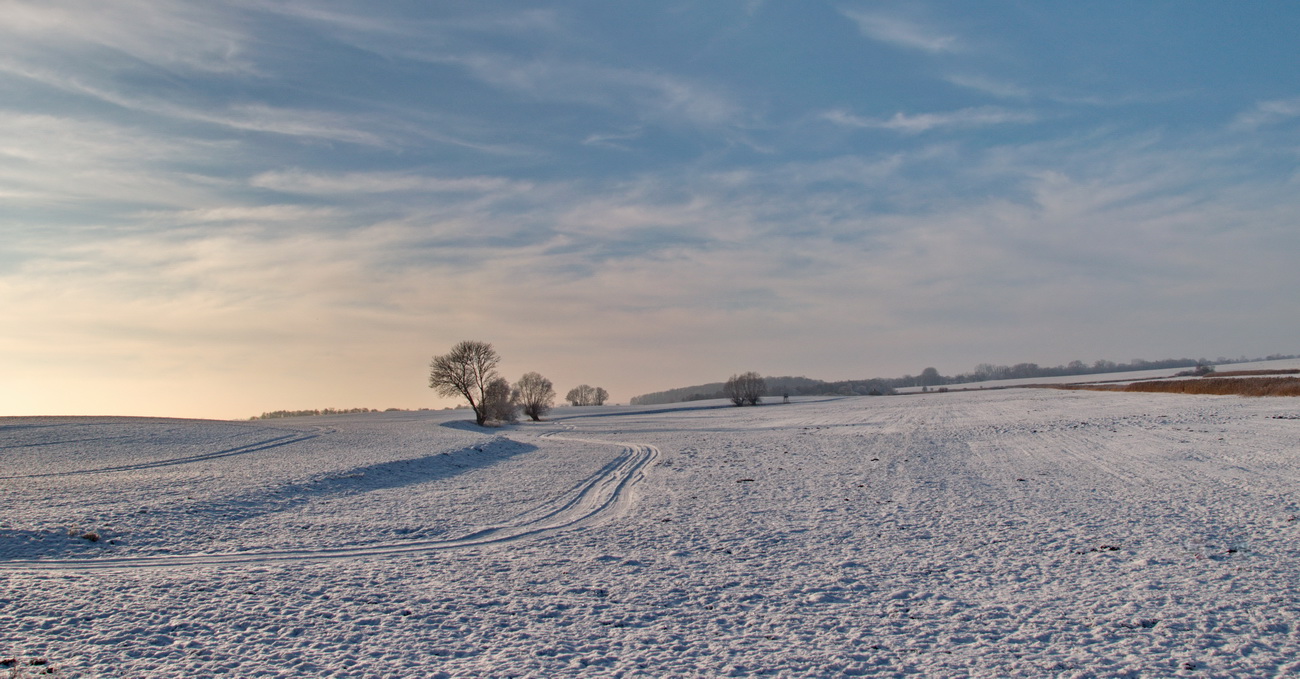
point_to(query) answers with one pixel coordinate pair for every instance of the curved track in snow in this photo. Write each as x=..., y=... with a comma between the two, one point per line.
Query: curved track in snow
x=266, y=444
x=599, y=496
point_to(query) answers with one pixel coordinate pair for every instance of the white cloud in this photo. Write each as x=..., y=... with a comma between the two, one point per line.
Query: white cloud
x=639, y=94
x=287, y=121
x=370, y=30
x=903, y=33
x=243, y=213
x=165, y=33
x=249, y=117
x=614, y=139
x=298, y=181
x=1268, y=113
x=922, y=122
x=997, y=88
x=51, y=160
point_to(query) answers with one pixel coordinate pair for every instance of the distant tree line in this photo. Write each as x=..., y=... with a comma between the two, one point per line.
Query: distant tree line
x=277, y=414
x=930, y=377
x=987, y=371
x=774, y=386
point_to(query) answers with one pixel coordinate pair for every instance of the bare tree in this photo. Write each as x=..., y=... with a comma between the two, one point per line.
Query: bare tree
x=579, y=395
x=500, y=403
x=466, y=371
x=586, y=395
x=536, y=394
x=746, y=388
x=755, y=388
x=732, y=390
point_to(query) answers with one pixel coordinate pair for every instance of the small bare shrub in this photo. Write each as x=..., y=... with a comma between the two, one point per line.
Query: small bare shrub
x=747, y=388
x=88, y=535
x=27, y=667
x=536, y=394
x=500, y=402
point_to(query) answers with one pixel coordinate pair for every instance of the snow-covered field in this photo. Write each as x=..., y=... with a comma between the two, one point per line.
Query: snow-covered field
x=998, y=533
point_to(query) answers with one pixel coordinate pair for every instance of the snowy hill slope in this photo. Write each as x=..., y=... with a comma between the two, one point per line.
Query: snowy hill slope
x=1008, y=533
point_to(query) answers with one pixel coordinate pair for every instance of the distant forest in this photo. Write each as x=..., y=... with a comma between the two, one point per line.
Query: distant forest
x=277, y=414
x=803, y=386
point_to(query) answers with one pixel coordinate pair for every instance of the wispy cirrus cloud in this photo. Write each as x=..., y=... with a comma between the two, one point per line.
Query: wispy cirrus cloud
x=923, y=122
x=1269, y=112
x=92, y=164
x=377, y=31
x=638, y=94
x=281, y=120
x=312, y=183
x=243, y=213
x=165, y=33
x=998, y=88
x=902, y=32
x=251, y=116
x=615, y=139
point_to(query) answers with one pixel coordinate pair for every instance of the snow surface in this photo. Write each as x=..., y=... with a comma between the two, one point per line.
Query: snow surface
x=997, y=533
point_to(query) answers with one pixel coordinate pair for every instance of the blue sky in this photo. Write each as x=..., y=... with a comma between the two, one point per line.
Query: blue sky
x=215, y=209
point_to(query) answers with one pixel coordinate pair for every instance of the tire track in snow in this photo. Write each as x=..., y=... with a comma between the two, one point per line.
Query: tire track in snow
x=267, y=444
x=602, y=495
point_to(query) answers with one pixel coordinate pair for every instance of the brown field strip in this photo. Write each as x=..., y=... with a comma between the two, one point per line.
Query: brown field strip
x=1248, y=373
x=1228, y=386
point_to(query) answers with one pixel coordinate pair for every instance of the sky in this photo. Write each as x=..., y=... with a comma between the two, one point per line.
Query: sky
x=216, y=209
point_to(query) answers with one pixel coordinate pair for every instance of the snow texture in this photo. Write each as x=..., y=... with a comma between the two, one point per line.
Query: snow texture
x=1016, y=532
